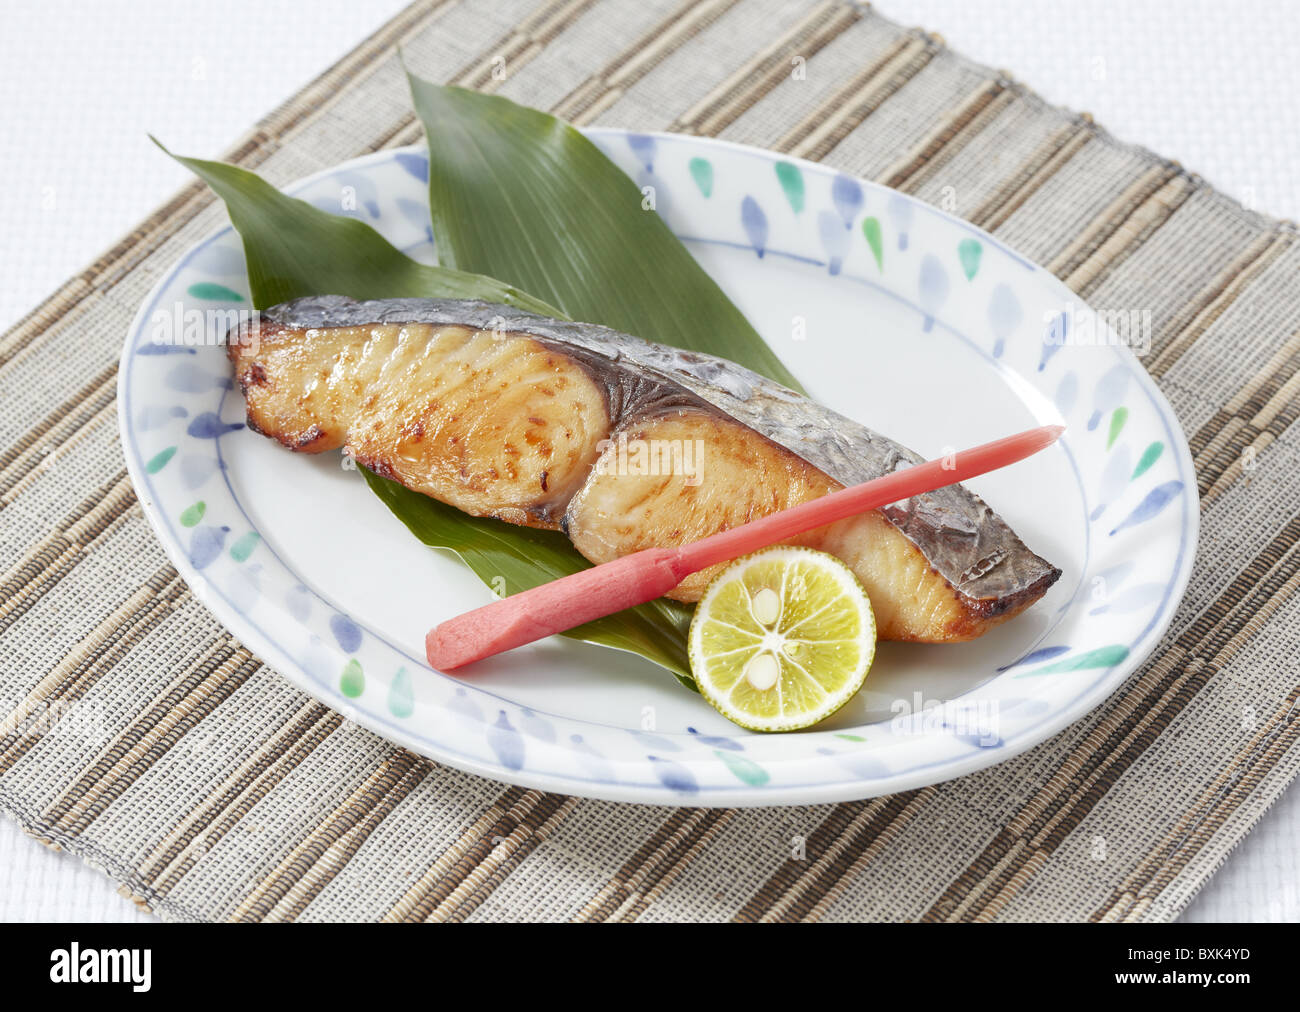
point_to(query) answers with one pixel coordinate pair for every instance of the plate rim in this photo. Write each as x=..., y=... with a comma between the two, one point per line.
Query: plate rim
x=653, y=791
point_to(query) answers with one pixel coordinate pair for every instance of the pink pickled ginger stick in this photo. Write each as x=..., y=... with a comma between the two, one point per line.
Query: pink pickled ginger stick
x=643, y=576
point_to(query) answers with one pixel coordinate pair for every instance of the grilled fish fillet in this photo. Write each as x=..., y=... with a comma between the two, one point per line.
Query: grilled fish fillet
x=620, y=443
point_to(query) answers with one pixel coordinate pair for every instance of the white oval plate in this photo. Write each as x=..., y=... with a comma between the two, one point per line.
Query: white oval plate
x=889, y=310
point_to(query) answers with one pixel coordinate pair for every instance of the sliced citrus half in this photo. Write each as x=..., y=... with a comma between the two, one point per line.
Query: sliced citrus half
x=782, y=639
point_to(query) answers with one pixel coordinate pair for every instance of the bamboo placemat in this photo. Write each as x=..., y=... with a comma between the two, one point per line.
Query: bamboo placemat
x=139, y=735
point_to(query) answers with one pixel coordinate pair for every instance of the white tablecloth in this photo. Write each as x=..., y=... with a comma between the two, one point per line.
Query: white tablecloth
x=1213, y=85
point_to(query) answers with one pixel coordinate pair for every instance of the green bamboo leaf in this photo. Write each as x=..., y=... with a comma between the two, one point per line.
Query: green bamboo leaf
x=510, y=559
x=524, y=197
x=294, y=249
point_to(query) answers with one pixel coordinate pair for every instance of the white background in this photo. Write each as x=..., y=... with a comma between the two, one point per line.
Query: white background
x=1212, y=84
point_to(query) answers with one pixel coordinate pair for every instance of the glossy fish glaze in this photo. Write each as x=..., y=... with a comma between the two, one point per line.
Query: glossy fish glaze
x=509, y=414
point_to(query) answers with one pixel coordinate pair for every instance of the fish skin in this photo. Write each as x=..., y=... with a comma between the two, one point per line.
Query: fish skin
x=965, y=542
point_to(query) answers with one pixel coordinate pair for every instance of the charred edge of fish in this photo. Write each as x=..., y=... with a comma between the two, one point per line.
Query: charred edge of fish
x=992, y=607
x=314, y=434
x=377, y=465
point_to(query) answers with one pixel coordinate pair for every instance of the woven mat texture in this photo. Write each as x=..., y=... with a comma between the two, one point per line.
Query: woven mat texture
x=213, y=790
